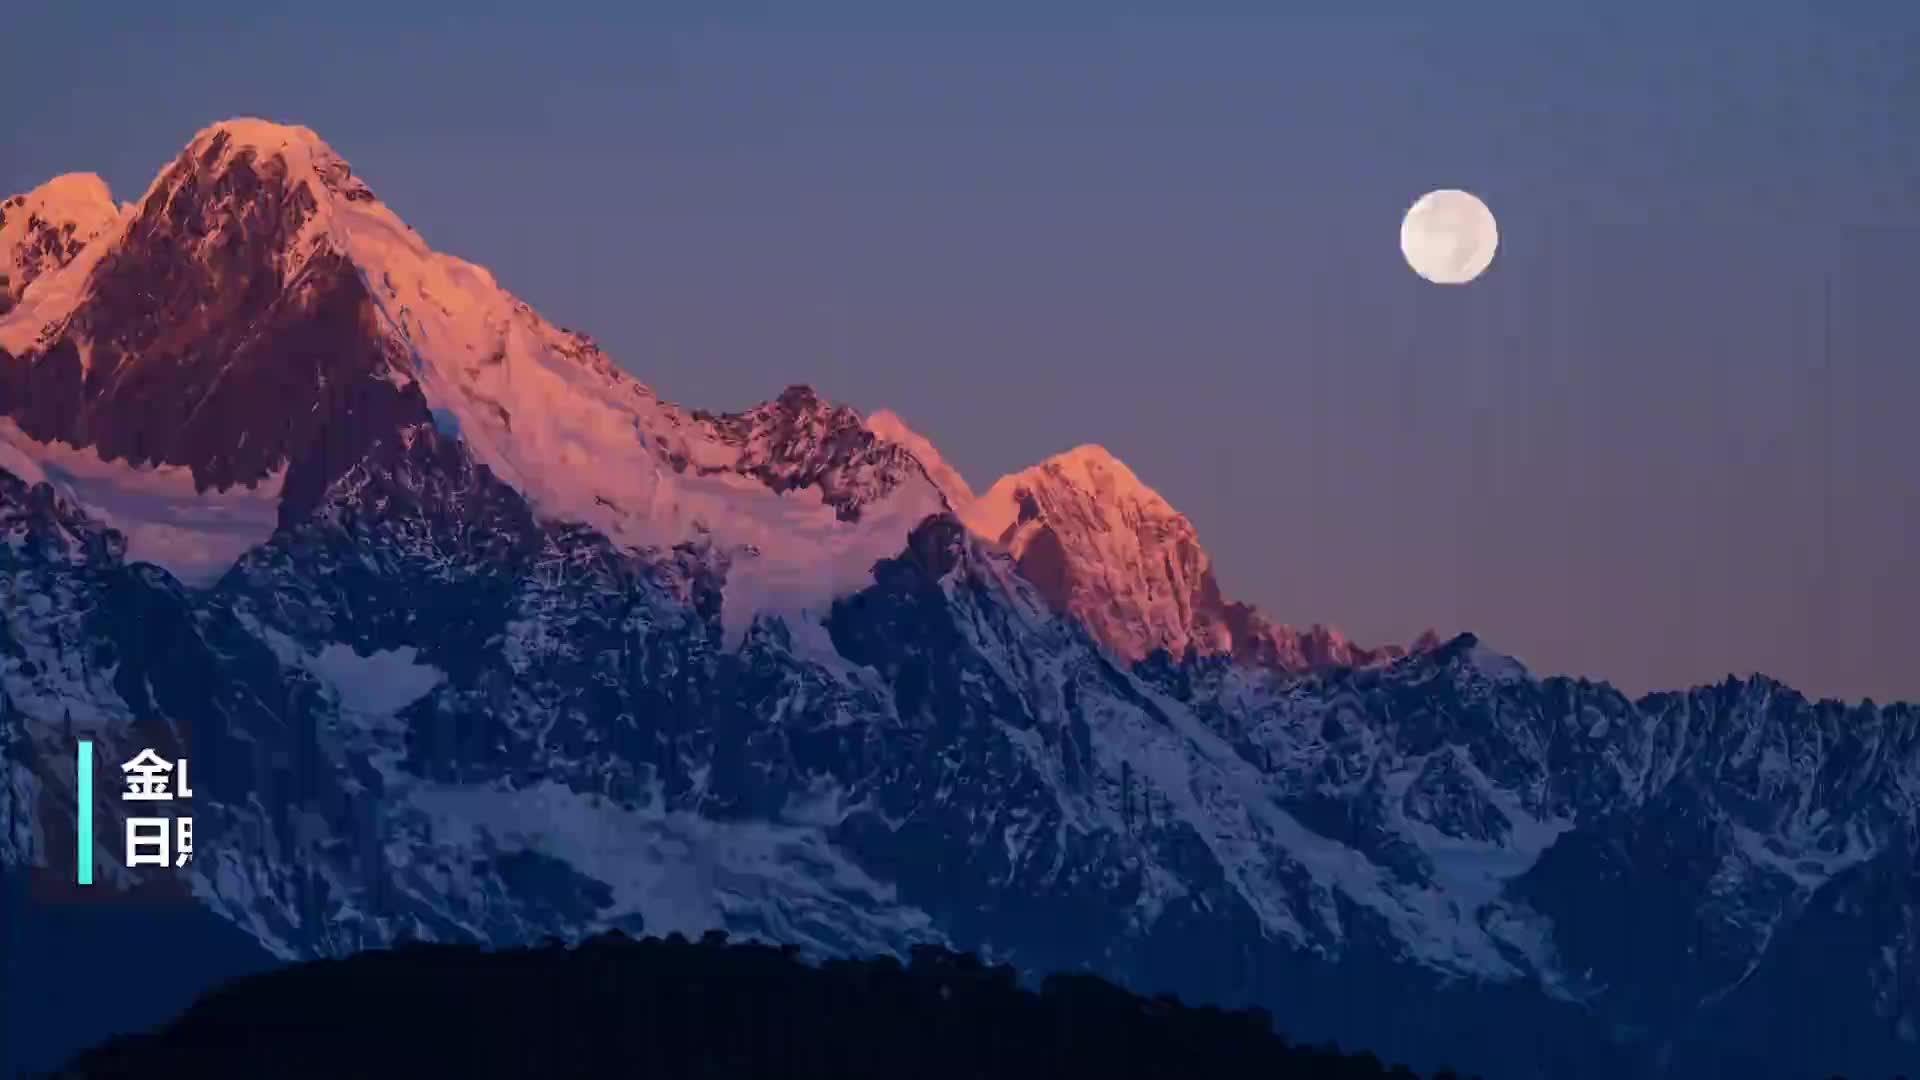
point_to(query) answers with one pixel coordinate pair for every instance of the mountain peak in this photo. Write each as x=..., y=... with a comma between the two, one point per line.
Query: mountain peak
x=1101, y=545
x=44, y=229
x=1089, y=475
x=1089, y=455
x=258, y=133
x=800, y=398
x=1095, y=467
x=78, y=191
x=291, y=153
x=301, y=148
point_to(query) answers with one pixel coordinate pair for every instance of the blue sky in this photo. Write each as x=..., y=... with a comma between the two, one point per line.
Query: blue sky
x=1643, y=447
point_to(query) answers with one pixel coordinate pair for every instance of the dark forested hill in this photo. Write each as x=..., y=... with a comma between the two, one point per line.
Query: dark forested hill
x=673, y=1008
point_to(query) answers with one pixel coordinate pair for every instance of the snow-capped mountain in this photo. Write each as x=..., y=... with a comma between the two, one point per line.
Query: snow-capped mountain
x=43, y=230
x=296, y=319
x=1108, y=550
x=287, y=492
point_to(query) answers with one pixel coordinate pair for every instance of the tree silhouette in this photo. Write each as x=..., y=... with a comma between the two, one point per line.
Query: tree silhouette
x=613, y=1006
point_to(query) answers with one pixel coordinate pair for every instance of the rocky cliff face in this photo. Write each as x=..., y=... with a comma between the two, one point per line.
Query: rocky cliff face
x=760, y=672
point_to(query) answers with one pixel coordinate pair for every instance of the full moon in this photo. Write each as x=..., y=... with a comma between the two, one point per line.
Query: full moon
x=1449, y=237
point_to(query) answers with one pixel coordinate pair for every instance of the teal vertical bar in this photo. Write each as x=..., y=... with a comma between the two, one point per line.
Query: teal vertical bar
x=83, y=864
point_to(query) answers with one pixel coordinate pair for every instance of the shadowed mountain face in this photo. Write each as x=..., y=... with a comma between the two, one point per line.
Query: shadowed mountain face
x=499, y=646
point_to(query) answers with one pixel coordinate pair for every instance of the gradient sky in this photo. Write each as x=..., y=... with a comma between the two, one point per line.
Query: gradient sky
x=1642, y=447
